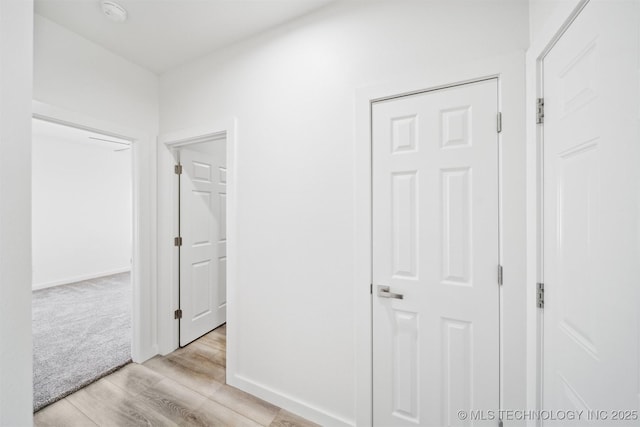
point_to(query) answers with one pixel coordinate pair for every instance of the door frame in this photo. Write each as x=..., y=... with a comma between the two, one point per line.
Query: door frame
x=535, y=198
x=508, y=71
x=168, y=259
x=143, y=343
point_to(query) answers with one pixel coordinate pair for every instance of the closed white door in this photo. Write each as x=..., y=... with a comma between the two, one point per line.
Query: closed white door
x=435, y=243
x=591, y=213
x=203, y=226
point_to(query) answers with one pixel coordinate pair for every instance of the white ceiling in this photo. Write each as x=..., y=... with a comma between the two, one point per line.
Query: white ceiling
x=161, y=34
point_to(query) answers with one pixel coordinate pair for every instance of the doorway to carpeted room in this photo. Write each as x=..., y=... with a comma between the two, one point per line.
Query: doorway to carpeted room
x=82, y=219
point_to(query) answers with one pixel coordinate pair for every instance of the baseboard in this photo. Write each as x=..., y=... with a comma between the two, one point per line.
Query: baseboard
x=75, y=279
x=144, y=355
x=288, y=403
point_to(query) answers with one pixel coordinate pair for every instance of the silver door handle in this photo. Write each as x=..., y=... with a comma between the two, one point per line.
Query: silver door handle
x=384, y=292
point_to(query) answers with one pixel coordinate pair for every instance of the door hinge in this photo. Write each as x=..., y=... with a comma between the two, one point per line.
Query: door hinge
x=500, y=275
x=177, y=314
x=178, y=169
x=500, y=423
x=540, y=295
x=371, y=289
x=177, y=241
x=540, y=111
x=499, y=123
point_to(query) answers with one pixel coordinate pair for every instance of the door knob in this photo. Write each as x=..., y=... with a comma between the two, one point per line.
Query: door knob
x=384, y=292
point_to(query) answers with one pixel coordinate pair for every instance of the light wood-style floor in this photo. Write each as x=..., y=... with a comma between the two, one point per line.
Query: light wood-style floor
x=184, y=388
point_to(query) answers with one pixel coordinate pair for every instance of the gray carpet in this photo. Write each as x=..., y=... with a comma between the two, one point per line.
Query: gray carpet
x=81, y=332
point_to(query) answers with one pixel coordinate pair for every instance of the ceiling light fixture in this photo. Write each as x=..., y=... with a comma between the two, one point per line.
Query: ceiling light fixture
x=114, y=11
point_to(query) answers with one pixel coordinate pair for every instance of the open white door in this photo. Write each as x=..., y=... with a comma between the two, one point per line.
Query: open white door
x=435, y=244
x=203, y=230
x=591, y=217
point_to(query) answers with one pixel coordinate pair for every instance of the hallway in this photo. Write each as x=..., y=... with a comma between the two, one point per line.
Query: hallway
x=185, y=388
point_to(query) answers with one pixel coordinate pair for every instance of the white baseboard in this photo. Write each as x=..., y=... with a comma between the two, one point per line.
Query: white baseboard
x=37, y=286
x=288, y=403
x=144, y=354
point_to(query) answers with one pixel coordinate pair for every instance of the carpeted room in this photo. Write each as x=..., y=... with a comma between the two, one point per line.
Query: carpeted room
x=82, y=215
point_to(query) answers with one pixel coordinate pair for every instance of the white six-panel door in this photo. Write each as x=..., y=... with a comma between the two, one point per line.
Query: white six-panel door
x=435, y=242
x=591, y=214
x=203, y=232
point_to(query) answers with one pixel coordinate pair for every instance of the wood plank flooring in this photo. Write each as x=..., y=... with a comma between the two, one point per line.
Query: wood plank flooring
x=184, y=388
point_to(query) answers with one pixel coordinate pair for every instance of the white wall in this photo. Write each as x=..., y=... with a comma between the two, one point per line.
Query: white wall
x=74, y=73
x=81, y=220
x=293, y=93
x=16, y=26
x=83, y=81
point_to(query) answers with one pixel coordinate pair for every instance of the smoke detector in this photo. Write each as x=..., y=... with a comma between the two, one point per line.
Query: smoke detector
x=114, y=11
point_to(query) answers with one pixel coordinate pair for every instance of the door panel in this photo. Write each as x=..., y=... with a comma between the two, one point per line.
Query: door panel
x=435, y=241
x=591, y=199
x=203, y=231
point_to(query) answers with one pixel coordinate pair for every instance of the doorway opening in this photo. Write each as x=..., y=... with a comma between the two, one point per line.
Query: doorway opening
x=82, y=238
x=170, y=302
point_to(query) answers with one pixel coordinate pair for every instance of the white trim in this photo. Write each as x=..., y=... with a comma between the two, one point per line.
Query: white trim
x=167, y=254
x=80, y=278
x=77, y=120
x=563, y=28
x=535, y=318
x=179, y=139
x=291, y=403
x=509, y=71
x=143, y=267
